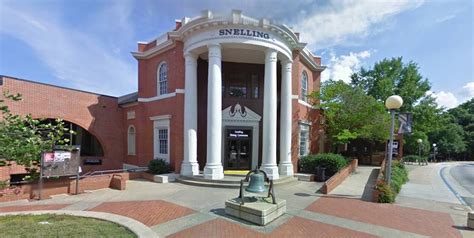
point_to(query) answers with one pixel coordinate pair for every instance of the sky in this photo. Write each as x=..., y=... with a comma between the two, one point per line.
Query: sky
x=86, y=44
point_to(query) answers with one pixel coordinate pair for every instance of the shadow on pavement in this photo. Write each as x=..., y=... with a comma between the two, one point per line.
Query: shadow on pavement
x=369, y=186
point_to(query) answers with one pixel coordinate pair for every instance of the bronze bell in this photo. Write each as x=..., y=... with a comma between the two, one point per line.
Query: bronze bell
x=256, y=183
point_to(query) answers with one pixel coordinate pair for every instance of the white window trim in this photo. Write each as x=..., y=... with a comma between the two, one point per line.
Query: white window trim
x=161, y=122
x=158, y=88
x=129, y=146
x=308, y=141
x=306, y=87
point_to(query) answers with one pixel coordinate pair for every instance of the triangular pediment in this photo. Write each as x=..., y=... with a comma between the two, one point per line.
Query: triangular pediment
x=239, y=113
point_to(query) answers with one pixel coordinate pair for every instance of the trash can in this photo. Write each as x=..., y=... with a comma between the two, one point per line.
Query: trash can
x=320, y=174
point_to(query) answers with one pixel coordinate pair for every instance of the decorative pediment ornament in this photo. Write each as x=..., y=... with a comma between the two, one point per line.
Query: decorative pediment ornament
x=239, y=113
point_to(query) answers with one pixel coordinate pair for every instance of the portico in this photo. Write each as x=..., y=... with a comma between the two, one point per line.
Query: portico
x=214, y=157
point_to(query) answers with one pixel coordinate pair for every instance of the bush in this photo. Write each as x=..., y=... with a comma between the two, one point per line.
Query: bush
x=399, y=177
x=386, y=194
x=411, y=158
x=159, y=166
x=332, y=162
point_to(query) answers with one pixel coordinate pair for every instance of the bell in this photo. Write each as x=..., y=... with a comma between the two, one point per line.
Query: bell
x=256, y=183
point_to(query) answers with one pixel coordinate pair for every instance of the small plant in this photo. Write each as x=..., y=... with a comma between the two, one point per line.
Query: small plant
x=386, y=194
x=159, y=166
x=332, y=162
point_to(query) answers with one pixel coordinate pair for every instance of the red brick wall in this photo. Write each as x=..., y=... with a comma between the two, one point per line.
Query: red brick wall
x=174, y=106
x=65, y=185
x=99, y=115
x=303, y=112
x=339, y=177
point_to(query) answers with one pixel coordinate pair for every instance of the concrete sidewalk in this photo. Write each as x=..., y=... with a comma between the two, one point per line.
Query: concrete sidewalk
x=358, y=185
x=178, y=210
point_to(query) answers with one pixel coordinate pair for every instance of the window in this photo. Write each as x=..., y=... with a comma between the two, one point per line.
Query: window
x=304, y=139
x=161, y=135
x=163, y=141
x=162, y=79
x=131, y=140
x=240, y=85
x=304, y=86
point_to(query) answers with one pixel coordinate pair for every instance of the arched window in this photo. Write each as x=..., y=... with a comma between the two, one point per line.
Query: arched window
x=131, y=140
x=162, y=84
x=304, y=86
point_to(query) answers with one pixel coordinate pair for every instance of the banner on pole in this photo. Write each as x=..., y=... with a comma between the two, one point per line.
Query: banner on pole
x=406, y=120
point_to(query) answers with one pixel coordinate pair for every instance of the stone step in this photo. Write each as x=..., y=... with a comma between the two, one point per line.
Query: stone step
x=199, y=181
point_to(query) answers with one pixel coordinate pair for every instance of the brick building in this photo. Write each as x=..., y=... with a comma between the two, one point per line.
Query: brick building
x=219, y=92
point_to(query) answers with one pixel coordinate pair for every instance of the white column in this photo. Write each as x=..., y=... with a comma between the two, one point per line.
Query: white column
x=285, y=166
x=269, y=164
x=213, y=168
x=189, y=166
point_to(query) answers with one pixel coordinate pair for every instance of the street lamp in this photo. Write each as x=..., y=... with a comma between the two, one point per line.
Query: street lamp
x=392, y=103
x=434, y=152
x=419, y=150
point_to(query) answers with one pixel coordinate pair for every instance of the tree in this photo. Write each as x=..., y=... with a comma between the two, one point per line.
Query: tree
x=351, y=114
x=23, y=138
x=411, y=146
x=463, y=115
x=392, y=76
x=449, y=140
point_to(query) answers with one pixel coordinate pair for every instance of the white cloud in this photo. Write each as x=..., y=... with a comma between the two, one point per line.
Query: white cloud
x=83, y=60
x=346, y=19
x=450, y=100
x=445, y=18
x=468, y=90
x=342, y=67
x=445, y=99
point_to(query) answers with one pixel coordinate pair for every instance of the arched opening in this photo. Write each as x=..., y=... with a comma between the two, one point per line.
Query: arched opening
x=90, y=145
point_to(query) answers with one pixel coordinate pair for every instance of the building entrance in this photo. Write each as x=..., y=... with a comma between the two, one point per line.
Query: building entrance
x=238, y=148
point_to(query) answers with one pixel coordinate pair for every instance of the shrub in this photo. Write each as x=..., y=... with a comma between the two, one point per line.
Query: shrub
x=159, y=166
x=386, y=195
x=332, y=162
x=398, y=178
x=411, y=158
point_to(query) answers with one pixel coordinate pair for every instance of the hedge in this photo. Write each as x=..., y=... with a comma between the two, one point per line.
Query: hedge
x=332, y=162
x=399, y=177
x=159, y=166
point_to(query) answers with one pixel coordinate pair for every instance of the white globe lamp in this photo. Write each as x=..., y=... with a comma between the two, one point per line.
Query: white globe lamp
x=392, y=103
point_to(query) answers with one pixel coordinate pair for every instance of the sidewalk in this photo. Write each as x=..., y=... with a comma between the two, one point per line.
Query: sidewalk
x=178, y=210
x=358, y=185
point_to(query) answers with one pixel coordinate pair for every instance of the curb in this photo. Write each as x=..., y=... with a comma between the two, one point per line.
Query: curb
x=136, y=227
x=450, y=187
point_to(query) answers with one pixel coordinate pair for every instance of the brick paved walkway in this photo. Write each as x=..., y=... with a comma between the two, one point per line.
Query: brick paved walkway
x=434, y=224
x=33, y=207
x=149, y=213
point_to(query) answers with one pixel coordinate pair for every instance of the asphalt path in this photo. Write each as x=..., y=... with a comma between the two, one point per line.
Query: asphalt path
x=464, y=175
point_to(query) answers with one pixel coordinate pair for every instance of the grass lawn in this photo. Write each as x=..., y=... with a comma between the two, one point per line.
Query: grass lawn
x=51, y=225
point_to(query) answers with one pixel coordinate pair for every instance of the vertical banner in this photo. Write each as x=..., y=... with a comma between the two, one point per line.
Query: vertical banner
x=406, y=120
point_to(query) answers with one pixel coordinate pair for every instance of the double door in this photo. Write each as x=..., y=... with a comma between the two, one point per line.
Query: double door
x=238, y=148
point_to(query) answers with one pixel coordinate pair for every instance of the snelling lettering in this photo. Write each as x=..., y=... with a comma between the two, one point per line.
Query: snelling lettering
x=243, y=32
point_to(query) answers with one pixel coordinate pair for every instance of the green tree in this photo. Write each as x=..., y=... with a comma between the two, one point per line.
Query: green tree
x=351, y=114
x=449, y=140
x=411, y=146
x=23, y=138
x=392, y=76
x=463, y=115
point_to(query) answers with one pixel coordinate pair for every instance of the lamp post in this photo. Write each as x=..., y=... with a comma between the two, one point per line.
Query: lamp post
x=434, y=152
x=419, y=150
x=392, y=103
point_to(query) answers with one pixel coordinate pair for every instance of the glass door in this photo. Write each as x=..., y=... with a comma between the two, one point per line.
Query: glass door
x=238, y=155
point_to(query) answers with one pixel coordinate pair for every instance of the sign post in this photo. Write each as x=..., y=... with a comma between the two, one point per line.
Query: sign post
x=61, y=161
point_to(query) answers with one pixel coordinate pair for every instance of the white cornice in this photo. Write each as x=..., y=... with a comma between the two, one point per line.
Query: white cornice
x=163, y=96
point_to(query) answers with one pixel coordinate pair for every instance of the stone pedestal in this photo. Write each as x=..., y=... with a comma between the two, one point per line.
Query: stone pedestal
x=257, y=210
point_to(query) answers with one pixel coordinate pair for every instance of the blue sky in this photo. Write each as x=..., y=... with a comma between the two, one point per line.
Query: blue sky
x=86, y=44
